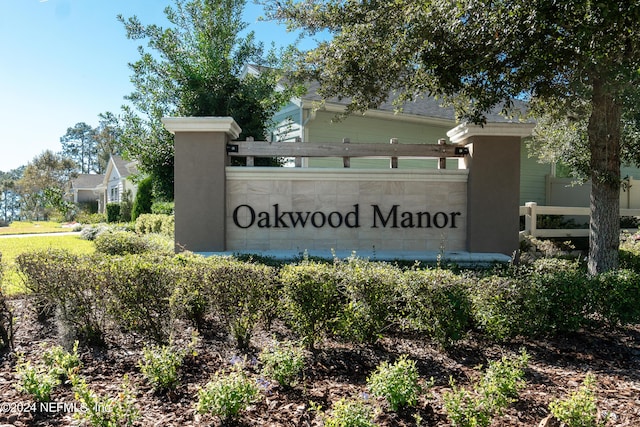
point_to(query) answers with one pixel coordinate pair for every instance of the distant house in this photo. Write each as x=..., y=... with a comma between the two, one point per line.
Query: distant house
x=117, y=180
x=110, y=187
x=84, y=191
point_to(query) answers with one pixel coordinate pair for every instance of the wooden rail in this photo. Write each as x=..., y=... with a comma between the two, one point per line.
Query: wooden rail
x=346, y=150
x=531, y=210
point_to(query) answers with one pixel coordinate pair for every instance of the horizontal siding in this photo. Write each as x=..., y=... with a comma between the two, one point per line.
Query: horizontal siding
x=287, y=124
x=532, y=178
x=372, y=130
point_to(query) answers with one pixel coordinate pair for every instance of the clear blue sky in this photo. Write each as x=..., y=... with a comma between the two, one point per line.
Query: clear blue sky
x=65, y=61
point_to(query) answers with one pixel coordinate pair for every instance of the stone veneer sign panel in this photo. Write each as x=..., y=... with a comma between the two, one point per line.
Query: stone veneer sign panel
x=322, y=209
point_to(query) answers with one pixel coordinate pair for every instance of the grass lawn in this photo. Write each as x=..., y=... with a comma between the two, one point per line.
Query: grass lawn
x=11, y=247
x=30, y=227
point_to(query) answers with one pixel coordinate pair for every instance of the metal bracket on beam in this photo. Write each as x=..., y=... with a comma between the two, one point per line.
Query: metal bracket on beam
x=232, y=148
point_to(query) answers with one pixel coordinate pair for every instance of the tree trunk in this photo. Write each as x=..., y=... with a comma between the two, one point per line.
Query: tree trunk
x=604, y=143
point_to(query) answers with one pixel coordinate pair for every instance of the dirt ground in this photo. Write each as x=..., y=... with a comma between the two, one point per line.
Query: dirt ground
x=557, y=367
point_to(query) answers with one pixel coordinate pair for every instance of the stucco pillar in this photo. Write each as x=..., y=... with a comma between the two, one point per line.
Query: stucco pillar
x=493, y=188
x=200, y=180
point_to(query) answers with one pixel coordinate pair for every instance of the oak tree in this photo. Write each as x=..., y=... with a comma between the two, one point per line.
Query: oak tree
x=43, y=184
x=194, y=67
x=576, y=58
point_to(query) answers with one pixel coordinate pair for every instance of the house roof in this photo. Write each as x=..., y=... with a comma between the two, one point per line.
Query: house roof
x=425, y=106
x=85, y=181
x=124, y=167
x=422, y=107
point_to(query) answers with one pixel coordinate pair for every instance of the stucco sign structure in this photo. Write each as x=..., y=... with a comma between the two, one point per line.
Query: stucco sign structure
x=256, y=209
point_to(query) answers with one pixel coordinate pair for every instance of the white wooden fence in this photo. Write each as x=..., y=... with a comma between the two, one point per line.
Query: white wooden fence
x=531, y=210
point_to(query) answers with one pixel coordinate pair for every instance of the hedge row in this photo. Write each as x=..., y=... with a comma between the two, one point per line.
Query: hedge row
x=156, y=223
x=354, y=300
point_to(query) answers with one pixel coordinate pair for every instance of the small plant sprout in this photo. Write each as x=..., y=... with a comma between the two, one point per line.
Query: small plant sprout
x=36, y=381
x=283, y=362
x=347, y=413
x=398, y=383
x=160, y=365
x=226, y=395
x=579, y=409
x=498, y=388
x=105, y=411
x=60, y=362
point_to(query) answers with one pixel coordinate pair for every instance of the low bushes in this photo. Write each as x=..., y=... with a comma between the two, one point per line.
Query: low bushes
x=239, y=294
x=617, y=297
x=311, y=299
x=489, y=396
x=354, y=300
x=370, y=293
x=6, y=317
x=68, y=287
x=118, y=242
x=436, y=302
x=155, y=223
x=139, y=287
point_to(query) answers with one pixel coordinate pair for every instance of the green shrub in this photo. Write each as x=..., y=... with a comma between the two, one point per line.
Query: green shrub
x=140, y=287
x=397, y=383
x=501, y=307
x=41, y=273
x=189, y=299
x=160, y=364
x=61, y=363
x=120, y=243
x=490, y=396
x=311, y=299
x=630, y=251
x=617, y=297
x=548, y=298
x=69, y=286
x=580, y=408
x=349, y=413
x=159, y=244
x=238, y=293
x=105, y=411
x=6, y=323
x=164, y=208
x=436, y=302
x=557, y=265
x=126, y=206
x=91, y=218
x=567, y=298
x=282, y=362
x=144, y=198
x=155, y=223
x=92, y=231
x=36, y=381
x=227, y=395
x=630, y=259
x=6, y=317
x=40, y=380
x=113, y=212
x=466, y=409
x=503, y=380
x=371, y=293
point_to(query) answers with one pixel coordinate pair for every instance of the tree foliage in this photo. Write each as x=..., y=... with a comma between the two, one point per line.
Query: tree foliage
x=108, y=136
x=91, y=147
x=572, y=58
x=144, y=198
x=43, y=184
x=9, y=197
x=195, y=68
x=79, y=144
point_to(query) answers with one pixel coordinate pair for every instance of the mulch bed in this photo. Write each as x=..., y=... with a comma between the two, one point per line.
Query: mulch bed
x=557, y=367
